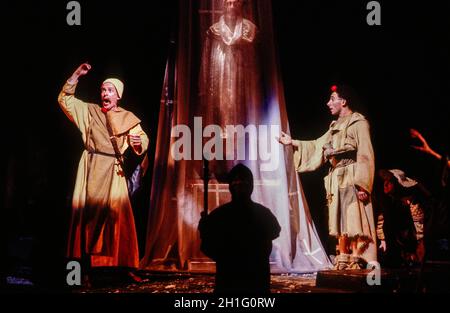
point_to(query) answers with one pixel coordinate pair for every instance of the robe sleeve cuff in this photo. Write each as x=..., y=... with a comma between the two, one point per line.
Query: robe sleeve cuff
x=69, y=88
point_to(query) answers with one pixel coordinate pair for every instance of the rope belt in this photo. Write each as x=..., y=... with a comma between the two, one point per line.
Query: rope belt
x=91, y=151
x=342, y=163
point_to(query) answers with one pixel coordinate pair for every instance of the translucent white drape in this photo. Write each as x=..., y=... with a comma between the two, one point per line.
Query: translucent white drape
x=226, y=77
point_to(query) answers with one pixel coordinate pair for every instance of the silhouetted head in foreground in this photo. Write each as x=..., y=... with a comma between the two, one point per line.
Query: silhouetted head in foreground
x=240, y=180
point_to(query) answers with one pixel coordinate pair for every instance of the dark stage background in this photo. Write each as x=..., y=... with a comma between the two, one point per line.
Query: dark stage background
x=400, y=69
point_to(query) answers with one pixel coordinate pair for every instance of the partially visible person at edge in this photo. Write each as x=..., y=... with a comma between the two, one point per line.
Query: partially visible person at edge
x=401, y=208
x=437, y=227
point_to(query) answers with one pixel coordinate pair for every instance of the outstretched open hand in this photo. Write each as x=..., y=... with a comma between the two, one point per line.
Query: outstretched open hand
x=285, y=139
x=424, y=147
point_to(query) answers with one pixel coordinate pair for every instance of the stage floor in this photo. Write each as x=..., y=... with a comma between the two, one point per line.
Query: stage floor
x=351, y=281
x=435, y=278
x=193, y=283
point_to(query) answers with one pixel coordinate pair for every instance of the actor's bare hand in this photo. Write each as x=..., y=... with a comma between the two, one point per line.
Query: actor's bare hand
x=285, y=139
x=424, y=147
x=328, y=152
x=82, y=70
x=382, y=246
x=363, y=196
x=135, y=140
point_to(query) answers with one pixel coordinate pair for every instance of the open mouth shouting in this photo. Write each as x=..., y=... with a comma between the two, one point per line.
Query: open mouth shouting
x=106, y=102
x=109, y=96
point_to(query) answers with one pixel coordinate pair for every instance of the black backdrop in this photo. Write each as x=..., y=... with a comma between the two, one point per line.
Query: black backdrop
x=400, y=70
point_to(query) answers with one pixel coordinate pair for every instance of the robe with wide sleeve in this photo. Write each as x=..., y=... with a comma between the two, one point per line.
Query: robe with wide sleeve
x=229, y=75
x=102, y=222
x=352, y=169
x=230, y=86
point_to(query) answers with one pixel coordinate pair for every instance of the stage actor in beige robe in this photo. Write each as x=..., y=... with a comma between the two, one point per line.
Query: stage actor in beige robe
x=102, y=223
x=348, y=149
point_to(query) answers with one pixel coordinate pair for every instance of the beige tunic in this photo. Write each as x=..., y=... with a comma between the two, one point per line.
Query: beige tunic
x=352, y=168
x=102, y=222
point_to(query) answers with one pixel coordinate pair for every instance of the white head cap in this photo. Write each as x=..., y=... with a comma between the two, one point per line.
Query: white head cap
x=402, y=179
x=117, y=83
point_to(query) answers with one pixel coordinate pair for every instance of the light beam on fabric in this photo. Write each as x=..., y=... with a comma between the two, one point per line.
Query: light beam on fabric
x=225, y=77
